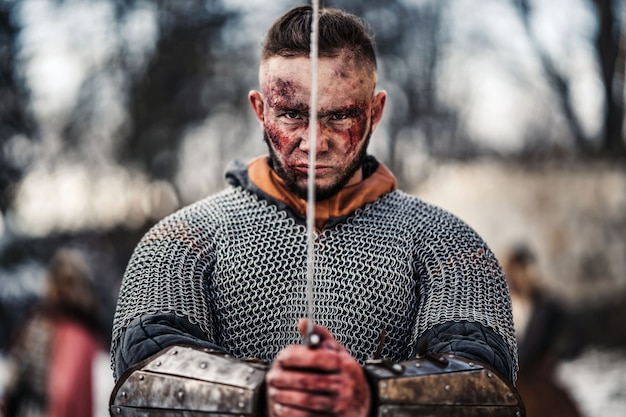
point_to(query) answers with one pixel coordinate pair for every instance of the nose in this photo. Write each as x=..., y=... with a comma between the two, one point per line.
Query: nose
x=321, y=139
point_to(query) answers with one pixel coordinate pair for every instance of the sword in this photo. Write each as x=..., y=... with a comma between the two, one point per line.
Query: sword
x=312, y=340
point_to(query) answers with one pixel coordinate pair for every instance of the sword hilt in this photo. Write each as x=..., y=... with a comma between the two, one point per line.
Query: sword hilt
x=312, y=340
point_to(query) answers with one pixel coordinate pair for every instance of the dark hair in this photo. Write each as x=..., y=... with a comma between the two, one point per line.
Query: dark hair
x=521, y=255
x=290, y=35
x=70, y=280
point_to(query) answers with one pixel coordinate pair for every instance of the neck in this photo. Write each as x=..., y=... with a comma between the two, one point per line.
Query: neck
x=374, y=181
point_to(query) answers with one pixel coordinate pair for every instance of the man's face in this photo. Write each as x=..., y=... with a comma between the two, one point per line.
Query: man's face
x=348, y=111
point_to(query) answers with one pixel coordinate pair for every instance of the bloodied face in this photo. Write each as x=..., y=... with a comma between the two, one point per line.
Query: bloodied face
x=348, y=112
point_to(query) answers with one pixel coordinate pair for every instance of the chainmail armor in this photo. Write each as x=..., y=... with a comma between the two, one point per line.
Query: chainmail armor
x=235, y=265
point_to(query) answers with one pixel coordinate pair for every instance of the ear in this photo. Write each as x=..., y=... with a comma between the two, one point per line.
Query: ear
x=378, y=105
x=256, y=101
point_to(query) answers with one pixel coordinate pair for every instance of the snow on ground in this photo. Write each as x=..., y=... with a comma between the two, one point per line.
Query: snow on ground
x=597, y=381
x=4, y=374
x=103, y=384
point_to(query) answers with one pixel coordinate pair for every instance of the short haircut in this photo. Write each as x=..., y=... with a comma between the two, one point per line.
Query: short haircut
x=339, y=31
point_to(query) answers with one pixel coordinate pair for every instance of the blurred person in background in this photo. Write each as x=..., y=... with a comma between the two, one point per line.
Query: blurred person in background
x=545, y=336
x=51, y=357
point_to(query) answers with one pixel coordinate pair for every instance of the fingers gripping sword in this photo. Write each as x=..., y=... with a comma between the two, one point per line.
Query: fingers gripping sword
x=312, y=339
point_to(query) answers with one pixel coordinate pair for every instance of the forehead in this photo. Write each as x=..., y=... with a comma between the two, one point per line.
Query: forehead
x=334, y=74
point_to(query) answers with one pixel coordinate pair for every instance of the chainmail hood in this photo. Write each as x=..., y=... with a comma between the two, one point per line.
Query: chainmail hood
x=235, y=265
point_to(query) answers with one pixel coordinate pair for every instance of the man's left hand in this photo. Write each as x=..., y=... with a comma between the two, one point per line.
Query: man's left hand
x=326, y=380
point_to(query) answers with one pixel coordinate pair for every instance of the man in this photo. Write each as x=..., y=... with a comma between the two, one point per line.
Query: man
x=394, y=275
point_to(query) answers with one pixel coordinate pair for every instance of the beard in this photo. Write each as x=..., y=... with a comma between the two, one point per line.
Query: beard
x=291, y=180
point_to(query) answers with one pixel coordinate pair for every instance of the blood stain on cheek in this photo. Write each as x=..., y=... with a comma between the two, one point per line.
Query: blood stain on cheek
x=278, y=140
x=357, y=130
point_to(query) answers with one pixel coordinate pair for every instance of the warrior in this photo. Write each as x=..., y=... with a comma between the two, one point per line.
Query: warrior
x=407, y=296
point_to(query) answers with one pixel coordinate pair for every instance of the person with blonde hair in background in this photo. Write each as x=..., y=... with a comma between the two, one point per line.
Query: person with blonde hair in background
x=51, y=357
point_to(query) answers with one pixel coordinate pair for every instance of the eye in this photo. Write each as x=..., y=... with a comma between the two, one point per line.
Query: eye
x=339, y=116
x=293, y=115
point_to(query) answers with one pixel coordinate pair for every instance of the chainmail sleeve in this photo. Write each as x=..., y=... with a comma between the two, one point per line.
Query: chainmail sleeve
x=167, y=273
x=461, y=280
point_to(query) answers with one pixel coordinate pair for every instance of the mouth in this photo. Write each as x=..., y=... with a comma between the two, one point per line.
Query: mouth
x=319, y=170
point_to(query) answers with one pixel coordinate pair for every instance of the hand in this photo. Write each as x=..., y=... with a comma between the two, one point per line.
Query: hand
x=326, y=380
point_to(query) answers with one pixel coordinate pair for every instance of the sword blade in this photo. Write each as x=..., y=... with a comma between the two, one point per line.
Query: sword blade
x=310, y=216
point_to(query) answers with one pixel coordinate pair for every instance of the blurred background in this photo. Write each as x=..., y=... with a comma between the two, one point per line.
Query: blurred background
x=508, y=113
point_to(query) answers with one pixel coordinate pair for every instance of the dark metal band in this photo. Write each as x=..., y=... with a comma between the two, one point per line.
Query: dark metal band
x=441, y=386
x=188, y=381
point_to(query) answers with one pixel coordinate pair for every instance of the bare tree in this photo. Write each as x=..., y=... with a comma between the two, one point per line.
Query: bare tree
x=610, y=48
x=182, y=82
x=15, y=117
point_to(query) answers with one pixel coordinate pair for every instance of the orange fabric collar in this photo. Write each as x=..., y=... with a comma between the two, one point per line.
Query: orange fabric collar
x=345, y=202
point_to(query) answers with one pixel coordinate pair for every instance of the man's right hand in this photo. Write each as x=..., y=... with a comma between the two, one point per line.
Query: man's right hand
x=306, y=382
